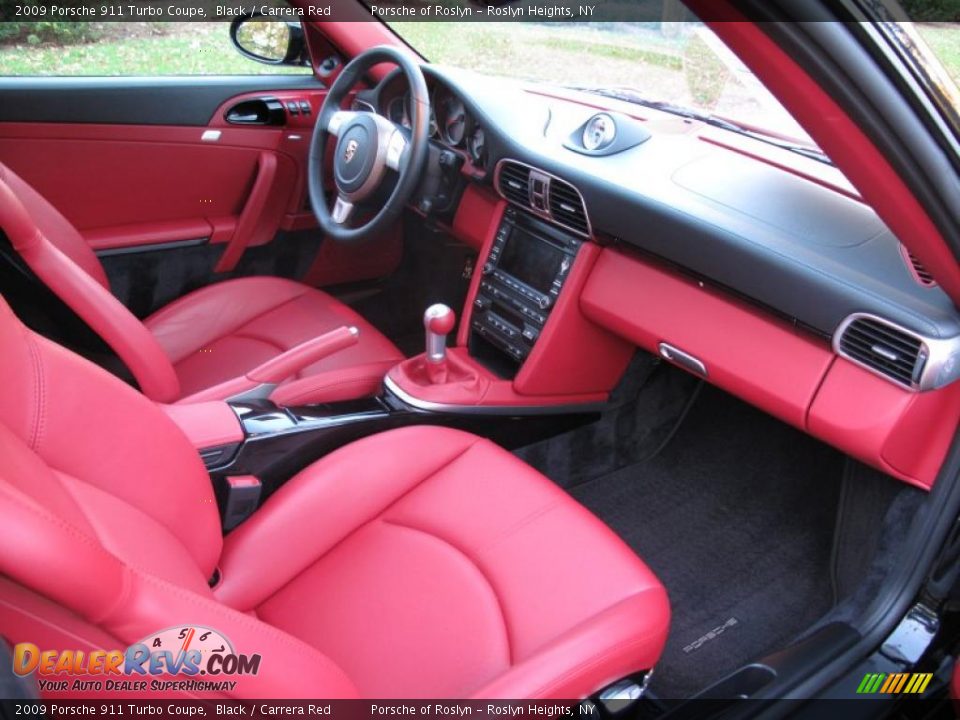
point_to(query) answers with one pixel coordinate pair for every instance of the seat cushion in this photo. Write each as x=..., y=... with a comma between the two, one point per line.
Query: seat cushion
x=429, y=562
x=224, y=330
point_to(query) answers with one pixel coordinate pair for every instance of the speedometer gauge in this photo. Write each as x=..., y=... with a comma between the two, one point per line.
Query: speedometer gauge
x=397, y=111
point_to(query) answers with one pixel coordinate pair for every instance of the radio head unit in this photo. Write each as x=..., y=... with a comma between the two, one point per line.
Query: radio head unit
x=522, y=279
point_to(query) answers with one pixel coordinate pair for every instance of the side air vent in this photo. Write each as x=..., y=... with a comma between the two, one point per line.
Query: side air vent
x=543, y=194
x=918, y=270
x=566, y=207
x=514, y=183
x=883, y=348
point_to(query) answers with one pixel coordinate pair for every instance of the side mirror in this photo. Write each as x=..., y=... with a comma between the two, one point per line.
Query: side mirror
x=272, y=42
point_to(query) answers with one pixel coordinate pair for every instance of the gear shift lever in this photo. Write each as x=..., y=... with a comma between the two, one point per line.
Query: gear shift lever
x=438, y=321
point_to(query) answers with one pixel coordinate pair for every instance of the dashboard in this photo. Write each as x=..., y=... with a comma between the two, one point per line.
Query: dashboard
x=451, y=124
x=768, y=225
x=755, y=267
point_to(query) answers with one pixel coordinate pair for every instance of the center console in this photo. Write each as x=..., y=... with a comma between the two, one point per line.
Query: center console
x=525, y=364
x=523, y=276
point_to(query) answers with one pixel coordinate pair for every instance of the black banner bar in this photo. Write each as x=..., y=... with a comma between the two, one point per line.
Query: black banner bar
x=416, y=10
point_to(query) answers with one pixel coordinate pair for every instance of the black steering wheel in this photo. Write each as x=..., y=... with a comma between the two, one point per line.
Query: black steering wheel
x=368, y=145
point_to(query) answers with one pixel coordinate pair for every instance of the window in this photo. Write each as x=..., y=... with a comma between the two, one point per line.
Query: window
x=126, y=48
x=681, y=63
x=943, y=39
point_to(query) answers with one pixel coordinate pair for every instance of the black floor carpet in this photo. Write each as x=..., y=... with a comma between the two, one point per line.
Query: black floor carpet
x=736, y=517
x=435, y=268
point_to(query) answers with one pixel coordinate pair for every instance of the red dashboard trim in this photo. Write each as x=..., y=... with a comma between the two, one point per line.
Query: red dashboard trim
x=769, y=364
x=477, y=219
x=572, y=354
x=902, y=433
x=764, y=361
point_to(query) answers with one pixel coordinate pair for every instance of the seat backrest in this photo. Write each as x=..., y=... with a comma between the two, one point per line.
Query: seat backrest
x=108, y=515
x=104, y=459
x=55, y=226
x=61, y=259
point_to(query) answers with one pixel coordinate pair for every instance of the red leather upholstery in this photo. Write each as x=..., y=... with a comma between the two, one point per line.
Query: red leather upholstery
x=369, y=573
x=24, y=218
x=955, y=687
x=53, y=225
x=222, y=331
x=457, y=545
x=205, y=338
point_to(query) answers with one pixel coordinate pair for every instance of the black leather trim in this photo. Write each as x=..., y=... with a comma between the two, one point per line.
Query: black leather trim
x=133, y=100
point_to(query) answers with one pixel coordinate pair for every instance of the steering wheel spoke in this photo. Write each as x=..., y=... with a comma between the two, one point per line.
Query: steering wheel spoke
x=360, y=149
x=338, y=120
x=396, y=149
x=342, y=210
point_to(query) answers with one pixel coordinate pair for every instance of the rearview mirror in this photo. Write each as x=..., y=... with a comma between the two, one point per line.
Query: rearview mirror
x=268, y=41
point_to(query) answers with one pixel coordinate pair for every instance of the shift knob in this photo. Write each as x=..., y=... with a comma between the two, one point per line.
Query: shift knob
x=438, y=321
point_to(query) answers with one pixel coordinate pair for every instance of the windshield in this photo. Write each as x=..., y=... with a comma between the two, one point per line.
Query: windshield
x=681, y=63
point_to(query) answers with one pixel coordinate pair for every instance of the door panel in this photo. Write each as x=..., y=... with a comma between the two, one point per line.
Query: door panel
x=146, y=180
x=148, y=169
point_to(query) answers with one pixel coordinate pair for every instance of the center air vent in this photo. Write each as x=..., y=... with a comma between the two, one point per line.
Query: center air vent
x=515, y=183
x=543, y=194
x=566, y=207
x=883, y=348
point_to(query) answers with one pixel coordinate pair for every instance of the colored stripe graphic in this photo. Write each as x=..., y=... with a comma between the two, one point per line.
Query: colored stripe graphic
x=891, y=681
x=894, y=683
x=902, y=682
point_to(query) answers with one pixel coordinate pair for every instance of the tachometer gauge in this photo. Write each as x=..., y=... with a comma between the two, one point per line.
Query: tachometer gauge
x=455, y=121
x=434, y=127
x=599, y=131
x=397, y=111
x=477, y=145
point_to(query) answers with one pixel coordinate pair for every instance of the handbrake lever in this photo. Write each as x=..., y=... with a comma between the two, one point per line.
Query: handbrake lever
x=265, y=377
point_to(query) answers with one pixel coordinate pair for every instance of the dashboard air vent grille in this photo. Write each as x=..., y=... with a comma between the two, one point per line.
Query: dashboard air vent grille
x=884, y=348
x=515, y=183
x=566, y=207
x=921, y=273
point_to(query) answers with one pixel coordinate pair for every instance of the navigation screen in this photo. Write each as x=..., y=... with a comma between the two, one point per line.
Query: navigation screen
x=530, y=260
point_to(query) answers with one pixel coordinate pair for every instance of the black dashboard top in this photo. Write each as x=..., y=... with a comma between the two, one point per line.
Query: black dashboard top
x=781, y=239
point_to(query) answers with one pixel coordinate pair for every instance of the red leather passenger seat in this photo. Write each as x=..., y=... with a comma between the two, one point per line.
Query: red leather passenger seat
x=419, y=562
x=205, y=338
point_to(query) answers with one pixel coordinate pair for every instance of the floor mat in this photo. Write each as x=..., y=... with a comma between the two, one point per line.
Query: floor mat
x=736, y=517
x=643, y=412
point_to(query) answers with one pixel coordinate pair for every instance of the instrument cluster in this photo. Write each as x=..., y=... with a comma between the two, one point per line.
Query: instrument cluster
x=450, y=122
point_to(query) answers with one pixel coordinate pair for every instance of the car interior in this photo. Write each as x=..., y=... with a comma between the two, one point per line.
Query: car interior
x=365, y=366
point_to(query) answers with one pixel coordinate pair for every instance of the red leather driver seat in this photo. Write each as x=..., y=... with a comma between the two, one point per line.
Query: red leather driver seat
x=419, y=562
x=205, y=338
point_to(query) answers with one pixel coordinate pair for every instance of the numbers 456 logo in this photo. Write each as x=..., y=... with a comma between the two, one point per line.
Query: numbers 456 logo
x=185, y=651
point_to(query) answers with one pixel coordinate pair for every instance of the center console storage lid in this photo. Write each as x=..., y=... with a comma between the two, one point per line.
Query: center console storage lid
x=206, y=424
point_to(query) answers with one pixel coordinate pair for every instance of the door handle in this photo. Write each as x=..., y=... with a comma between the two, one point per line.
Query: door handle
x=259, y=111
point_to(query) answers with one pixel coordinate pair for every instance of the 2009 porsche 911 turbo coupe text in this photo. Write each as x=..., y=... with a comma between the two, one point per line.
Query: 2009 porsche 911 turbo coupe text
x=600, y=367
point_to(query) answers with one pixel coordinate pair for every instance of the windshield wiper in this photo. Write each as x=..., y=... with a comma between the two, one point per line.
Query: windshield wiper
x=631, y=96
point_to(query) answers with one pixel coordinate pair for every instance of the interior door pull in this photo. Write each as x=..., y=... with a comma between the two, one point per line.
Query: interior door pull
x=252, y=212
x=260, y=111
